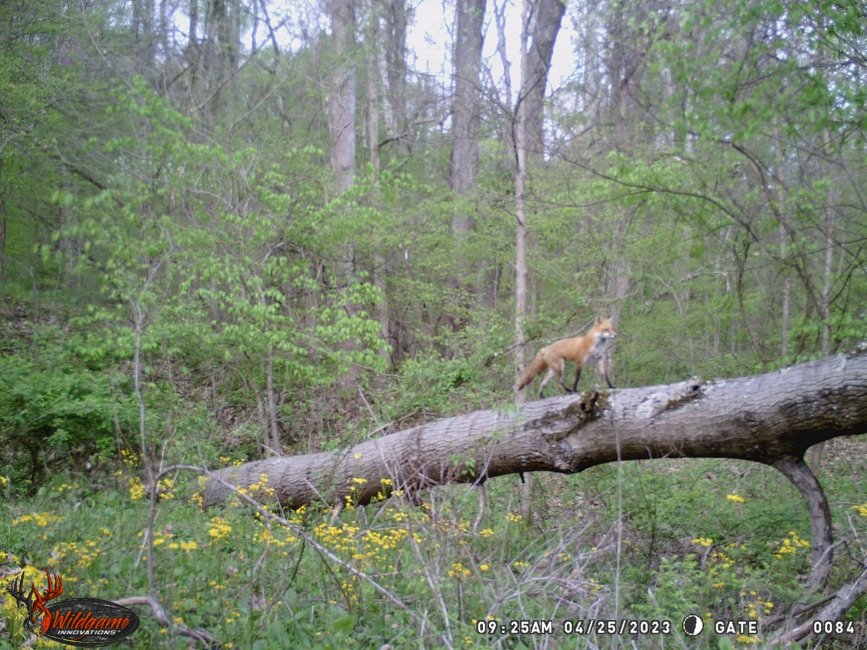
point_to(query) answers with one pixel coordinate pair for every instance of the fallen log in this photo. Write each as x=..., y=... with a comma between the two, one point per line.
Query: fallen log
x=771, y=418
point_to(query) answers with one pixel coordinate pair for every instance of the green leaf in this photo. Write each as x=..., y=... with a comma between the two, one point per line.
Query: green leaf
x=343, y=625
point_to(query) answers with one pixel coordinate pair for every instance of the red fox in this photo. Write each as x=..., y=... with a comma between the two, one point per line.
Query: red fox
x=581, y=350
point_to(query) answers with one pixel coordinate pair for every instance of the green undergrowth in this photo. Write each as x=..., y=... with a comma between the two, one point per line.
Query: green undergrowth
x=651, y=541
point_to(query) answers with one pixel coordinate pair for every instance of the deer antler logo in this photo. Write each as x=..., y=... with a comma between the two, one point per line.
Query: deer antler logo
x=36, y=599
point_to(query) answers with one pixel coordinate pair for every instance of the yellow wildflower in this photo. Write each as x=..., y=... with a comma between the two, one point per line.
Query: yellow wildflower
x=136, y=488
x=164, y=489
x=747, y=640
x=790, y=544
x=41, y=519
x=459, y=571
x=220, y=528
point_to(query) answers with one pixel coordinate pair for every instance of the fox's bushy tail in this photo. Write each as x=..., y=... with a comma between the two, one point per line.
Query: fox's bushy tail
x=536, y=366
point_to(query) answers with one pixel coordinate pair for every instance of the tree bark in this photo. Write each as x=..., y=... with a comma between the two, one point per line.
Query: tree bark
x=341, y=102
x=827, y=278
x=380, y=268
x=341, y=106
x=372, y=45
x=194, y=23
x=548, y=14
x=143, y=32
x=464, y=159
x=396, y=21
x=520, y=142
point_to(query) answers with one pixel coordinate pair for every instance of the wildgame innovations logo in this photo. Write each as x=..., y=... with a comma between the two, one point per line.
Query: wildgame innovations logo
x=73, y=621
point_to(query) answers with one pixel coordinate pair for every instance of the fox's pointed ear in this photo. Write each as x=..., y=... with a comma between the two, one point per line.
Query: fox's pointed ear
x=598, y=320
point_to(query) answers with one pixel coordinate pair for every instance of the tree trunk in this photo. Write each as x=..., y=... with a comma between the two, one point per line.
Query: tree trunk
x=143, y=32
x=464, y=158
x=395, y=69
x=548, y=14
x=380, y=269
x=194, y=23
x=785, y=299
x=2, y=238
x=341, y=105
x=521, y=239
x=372, y=37
x=466, y=103
x=827, y=280
x=341, y=102
x=165, y=52
x=779, y=195
x=220, y=50
x=274, y=445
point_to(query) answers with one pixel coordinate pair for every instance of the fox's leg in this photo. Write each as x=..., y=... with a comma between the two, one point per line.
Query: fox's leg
x=545, y=381
x=603, y=370
x=577, y=377
x=560, y=367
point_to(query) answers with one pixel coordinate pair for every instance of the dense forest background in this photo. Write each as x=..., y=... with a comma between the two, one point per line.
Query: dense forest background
x=232, y=228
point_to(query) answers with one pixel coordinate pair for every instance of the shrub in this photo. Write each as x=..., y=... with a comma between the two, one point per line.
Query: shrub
x=55, y=410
